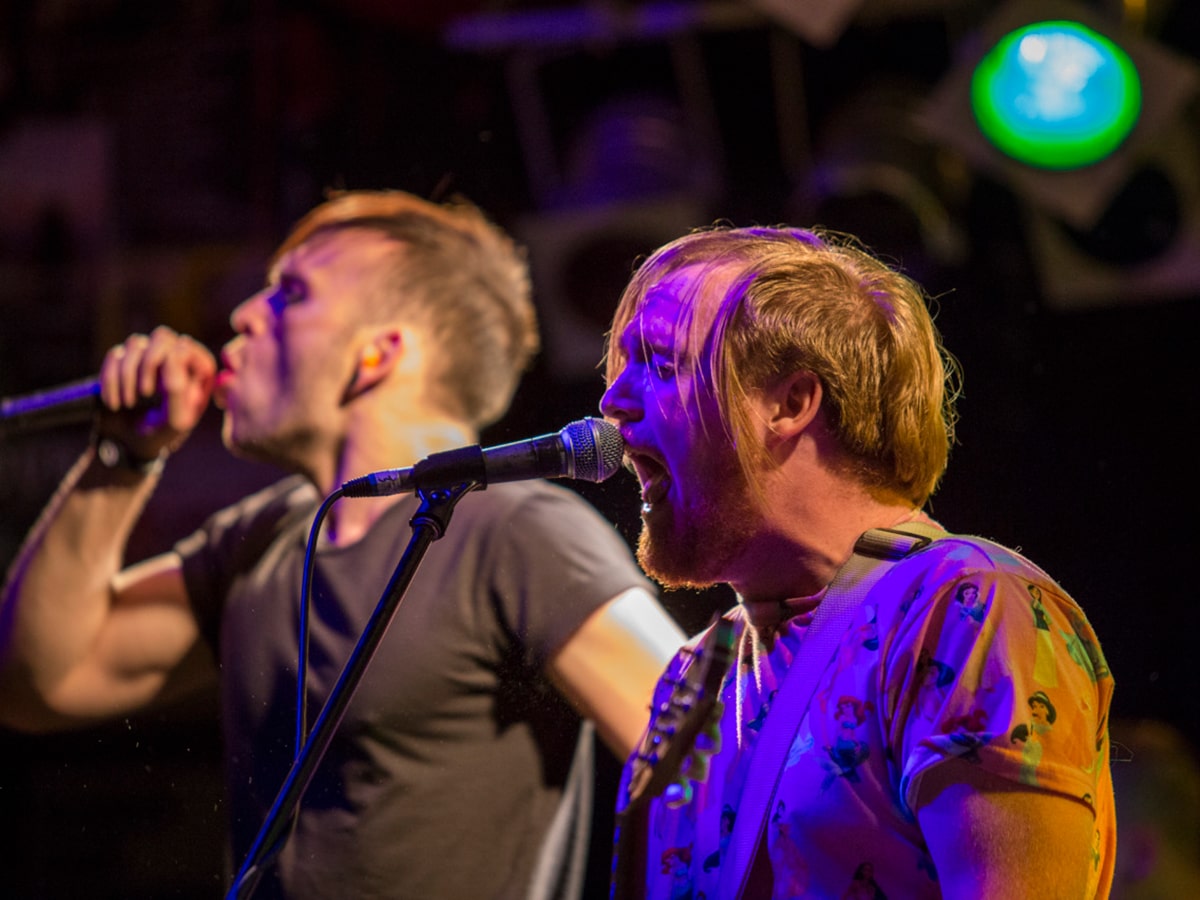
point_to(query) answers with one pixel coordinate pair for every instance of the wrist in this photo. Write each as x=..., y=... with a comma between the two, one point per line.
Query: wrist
x=114, y=455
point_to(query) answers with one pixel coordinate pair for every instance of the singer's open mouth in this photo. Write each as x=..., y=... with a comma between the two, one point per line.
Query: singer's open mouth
x=652, y=475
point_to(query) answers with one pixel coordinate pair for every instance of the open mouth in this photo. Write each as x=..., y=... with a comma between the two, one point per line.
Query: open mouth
x=653, y=477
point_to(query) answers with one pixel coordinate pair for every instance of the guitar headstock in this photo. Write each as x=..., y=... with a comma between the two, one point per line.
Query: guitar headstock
x=684, y=733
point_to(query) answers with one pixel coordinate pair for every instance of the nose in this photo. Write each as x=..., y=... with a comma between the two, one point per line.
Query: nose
x=249, y=314
x=620, y=402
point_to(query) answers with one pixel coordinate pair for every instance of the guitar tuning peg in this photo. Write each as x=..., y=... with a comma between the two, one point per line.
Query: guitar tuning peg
x=678, y=793
x=650, y=758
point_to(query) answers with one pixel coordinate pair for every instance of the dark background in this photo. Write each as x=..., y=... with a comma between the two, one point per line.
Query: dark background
x=152, y=154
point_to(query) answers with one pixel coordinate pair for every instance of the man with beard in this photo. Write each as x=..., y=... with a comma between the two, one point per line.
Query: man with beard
x=390, y=328
x=788, y=408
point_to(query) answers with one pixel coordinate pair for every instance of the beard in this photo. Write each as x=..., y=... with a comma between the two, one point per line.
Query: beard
x=695, y=544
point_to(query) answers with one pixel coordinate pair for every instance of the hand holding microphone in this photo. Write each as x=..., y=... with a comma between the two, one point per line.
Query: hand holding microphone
x=150, y=394
x=154, y=389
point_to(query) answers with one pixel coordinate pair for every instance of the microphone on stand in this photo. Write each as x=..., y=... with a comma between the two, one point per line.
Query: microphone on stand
x=63, y=405
x=588, y=449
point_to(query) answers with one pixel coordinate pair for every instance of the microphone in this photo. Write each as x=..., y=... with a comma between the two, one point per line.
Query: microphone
x=588, y=449
x=63, y=405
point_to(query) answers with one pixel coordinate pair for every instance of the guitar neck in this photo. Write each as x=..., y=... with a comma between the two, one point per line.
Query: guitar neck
x=667, y=754
x=629, y=851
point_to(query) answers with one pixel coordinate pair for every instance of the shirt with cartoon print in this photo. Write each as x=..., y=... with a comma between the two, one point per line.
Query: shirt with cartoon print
x=962, y=650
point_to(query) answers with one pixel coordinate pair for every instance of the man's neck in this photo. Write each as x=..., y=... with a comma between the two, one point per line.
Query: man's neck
x=385, y=443
x=809, y=536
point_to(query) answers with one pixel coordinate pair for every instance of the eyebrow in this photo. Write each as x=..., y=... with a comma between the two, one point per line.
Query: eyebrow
x=285, y=266
x=276, y=272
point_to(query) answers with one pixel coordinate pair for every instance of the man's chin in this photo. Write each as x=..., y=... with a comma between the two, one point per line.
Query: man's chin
x=234, y=440
x=671, y=566
x=245, y=447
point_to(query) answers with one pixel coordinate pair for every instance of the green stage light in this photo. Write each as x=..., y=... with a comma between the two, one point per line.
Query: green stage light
x=1056, y=95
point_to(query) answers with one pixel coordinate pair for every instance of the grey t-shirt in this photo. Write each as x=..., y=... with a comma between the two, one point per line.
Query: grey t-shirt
x=451, y=761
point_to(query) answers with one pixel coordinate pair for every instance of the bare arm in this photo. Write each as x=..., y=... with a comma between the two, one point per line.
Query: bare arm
x=610, y=666
x=80, y=639
x=992, y=838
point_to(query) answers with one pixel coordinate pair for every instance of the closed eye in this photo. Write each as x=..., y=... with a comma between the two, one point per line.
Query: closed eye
x=664, y=369
x=288, y=290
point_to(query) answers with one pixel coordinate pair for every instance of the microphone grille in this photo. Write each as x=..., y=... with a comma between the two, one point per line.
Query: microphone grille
x=596, y=448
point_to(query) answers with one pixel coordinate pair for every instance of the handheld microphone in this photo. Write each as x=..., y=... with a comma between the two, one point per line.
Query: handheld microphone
x=588, y=449
x=63, y=405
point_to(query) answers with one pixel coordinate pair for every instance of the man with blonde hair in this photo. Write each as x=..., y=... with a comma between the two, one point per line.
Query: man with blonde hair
x=390, y=328
x=788, y=407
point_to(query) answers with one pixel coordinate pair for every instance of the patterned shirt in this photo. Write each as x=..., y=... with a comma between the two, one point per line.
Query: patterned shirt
x=962, y=650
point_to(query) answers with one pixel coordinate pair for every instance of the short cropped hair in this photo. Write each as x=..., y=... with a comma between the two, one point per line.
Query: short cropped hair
x=457, y=275
x=817, y=301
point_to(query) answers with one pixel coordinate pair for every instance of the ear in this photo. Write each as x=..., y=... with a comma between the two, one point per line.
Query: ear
x=791, y=404
x=377, y=357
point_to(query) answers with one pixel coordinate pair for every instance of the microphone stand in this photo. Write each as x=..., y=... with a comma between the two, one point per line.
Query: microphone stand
x=429, y=524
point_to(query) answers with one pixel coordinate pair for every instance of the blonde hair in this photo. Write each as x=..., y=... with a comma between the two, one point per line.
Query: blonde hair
x=813, y=300
x=462, y=278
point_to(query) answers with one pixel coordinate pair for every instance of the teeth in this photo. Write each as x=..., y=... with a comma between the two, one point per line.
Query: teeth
x=654, y=480
x=654, y=490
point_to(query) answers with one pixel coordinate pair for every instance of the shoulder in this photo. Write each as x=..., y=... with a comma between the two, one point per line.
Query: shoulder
x=955, y=556
x=287, y=493
x=270, y=510
x=975, y=577
x=542, y=508
x=234, y=540
x=977, y=552
x=512, y=495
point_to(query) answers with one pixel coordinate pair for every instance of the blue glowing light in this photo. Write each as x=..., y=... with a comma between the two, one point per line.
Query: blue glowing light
x=1056, y=95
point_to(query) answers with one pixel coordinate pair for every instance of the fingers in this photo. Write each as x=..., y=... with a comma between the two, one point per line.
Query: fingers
x=129, y=367
x=173, y=370
x=185, y=364
x=115, y=368
x=121, y=375
x=144, y=366
x=186, y=376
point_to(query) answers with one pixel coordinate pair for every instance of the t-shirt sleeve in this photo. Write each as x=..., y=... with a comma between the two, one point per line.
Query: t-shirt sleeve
x=997, y=666
x=555, y=561
x=232, y=541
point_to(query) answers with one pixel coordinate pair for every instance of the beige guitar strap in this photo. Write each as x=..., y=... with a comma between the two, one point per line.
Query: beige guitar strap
x=874, y=554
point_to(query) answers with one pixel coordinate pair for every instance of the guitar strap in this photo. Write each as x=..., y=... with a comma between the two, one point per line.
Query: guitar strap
x=874, y=554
